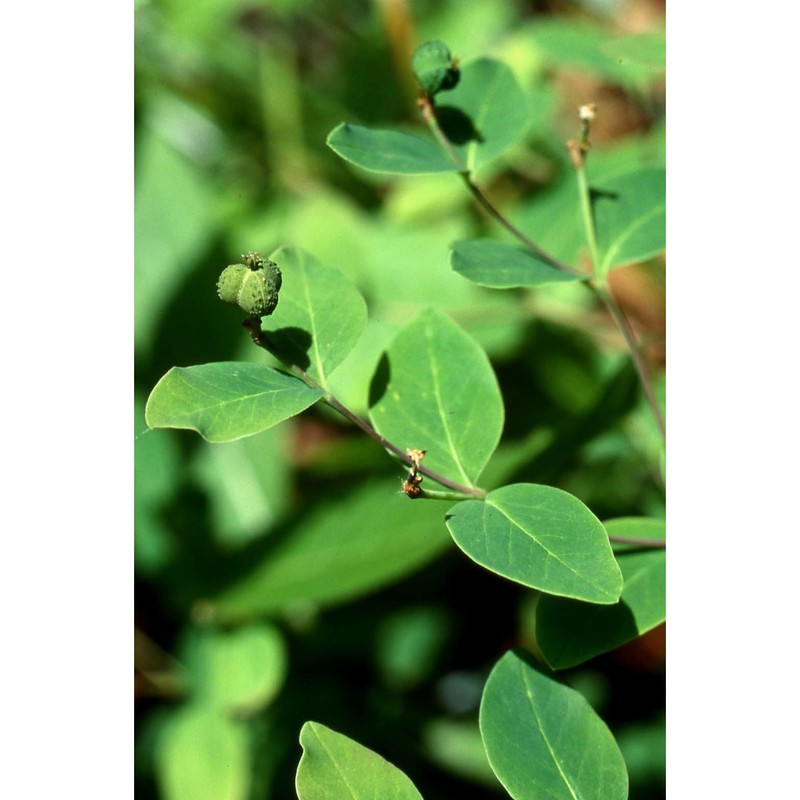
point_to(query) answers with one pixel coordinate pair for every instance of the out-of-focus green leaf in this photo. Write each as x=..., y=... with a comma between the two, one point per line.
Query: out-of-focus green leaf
x=320, y=315
x=630, y=217
x=552, y=220
x=248, y=484
x=203, y=756
x=334, y=767
x=502, y=265
x=485, y=114
x=226, y=401
x=436, y=391
x=647, y=50
x=581, y=46
x=570, y=632
x=552, y=217
x=544, y=741
x=342, y=550
x=240, y=670
x=456, y=745
x=155, y=478
x=644, y=748
x=541, y=537
x=408, y=644
x=173, y=223
x=387, y=151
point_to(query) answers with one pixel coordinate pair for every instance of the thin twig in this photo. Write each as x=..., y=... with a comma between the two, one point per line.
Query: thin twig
x=578, y=150
x=636, y=354
x=428, y=111
x=253, y=327
x=403, y=456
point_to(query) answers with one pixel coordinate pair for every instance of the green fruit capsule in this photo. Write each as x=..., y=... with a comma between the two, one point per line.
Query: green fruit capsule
x=253, y=286
x=434, y=67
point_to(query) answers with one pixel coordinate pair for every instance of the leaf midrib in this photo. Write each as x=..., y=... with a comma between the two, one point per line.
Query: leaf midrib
x=549, y=552
x=627, y=233
x=540, y=728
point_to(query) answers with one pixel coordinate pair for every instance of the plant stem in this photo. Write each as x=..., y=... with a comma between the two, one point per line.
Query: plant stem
x=588, y=220
x=333, y=402
x=484, y=201
x=434, y=494
x=253, y=327
x=429, y=115
x=597, y=282
x=636, y=354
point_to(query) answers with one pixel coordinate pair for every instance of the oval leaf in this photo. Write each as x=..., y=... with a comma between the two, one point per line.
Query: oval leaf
x=239, y=671
x=389, y=152
x=341, y=550
x=320, y=315
x=569, y=632
x=630, y=216
x=541, y=537
x=334, y=767
x=435, y=390
x=485, y=114
x=203, y=755
x=544, y=741
x=226, y=401
x=503, y=266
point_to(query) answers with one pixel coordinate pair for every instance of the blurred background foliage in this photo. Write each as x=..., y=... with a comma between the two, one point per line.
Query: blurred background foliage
x=281, y=578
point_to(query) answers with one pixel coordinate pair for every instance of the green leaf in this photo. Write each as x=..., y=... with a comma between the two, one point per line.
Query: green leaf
x=541, y=537
x=320, y=315
x=456, y=746
x=485, y=114
x=409, y=643
x=238, y=671
x=502, y=265
x=334, y=767
x=203, y=755
x=544, y=740
x=646, y=50
x=435, y=390
x=174, y=220
x=389, y=152
x=156, y=470
x=630, y=216
x=552, y=217
x=226, y=401
x=580, y=47
x=248, y=484
x=569, y=632
x=341, y=550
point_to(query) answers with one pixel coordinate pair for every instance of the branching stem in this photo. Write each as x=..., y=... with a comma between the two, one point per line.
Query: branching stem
x=253, y=327
x=429, y=115
x=596, y=282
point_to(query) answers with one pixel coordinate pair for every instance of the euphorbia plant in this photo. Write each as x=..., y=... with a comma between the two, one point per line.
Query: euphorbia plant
x=436, y=405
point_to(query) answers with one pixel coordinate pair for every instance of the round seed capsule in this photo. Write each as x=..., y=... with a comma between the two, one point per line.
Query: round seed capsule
x=252, y=286
x=434, y=67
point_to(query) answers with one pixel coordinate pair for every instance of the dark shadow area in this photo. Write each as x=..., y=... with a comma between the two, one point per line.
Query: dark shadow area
x=590, y=627
x=195, y=327
x=380, y=380
x=290, y=345
x=457, y=126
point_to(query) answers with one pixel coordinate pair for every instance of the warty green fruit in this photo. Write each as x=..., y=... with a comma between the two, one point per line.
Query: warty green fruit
x=252, y=286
